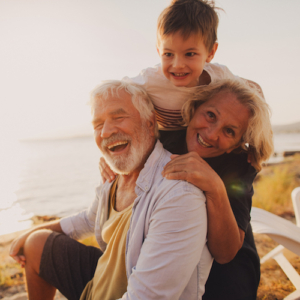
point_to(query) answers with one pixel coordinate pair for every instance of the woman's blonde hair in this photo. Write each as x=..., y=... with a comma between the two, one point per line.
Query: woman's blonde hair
x=258, y=138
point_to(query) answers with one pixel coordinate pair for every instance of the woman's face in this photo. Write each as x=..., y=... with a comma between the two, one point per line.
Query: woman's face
x=217, y=126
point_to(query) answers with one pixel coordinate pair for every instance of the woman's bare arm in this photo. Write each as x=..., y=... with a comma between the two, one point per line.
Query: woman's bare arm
x=225, y=238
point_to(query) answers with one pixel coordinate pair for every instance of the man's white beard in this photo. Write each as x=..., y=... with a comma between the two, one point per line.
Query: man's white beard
x=126, y=163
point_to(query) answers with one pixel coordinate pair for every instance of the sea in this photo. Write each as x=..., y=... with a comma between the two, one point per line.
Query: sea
x=59, y=177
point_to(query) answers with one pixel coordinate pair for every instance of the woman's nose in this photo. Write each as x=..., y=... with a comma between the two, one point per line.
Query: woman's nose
x=212, y=133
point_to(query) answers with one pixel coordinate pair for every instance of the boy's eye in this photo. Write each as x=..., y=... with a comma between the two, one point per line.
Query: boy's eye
x=168, y=54
x=191, y=54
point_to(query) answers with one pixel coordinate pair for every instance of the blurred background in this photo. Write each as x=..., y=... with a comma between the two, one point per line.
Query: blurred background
x=53, y=53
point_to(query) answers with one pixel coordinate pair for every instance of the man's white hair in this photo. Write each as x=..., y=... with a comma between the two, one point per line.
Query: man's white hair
x=139, y=97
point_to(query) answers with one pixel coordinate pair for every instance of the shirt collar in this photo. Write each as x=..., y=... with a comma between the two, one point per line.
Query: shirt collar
x=146, y=176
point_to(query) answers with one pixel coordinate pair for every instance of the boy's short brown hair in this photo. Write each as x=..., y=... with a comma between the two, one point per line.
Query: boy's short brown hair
x=190, y=17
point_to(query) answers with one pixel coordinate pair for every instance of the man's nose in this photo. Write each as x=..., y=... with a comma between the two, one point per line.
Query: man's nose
x=108, y=129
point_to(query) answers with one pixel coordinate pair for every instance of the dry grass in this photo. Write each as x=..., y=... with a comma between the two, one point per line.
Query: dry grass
x=273, y=187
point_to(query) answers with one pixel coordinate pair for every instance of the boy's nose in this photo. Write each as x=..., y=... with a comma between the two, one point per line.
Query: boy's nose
x=178, y=63
x=108, y=129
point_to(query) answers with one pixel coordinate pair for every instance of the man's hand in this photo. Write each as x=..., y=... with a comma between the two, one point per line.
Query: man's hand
x=105, y=172
x=16, y=249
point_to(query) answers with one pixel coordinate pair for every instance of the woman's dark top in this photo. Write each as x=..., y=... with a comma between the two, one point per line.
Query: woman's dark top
x=238, y=279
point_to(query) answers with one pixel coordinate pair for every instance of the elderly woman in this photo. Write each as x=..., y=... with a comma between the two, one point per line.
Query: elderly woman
x=228, y=123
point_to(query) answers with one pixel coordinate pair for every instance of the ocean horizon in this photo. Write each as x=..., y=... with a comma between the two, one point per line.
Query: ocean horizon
x=58, y=177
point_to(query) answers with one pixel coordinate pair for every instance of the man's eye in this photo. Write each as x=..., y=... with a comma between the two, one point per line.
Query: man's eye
x=98, y=126
x=191, y=54
x=211, y=115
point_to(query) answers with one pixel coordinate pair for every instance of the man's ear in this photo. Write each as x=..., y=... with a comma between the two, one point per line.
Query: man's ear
x=151, y=124
x=212, y=52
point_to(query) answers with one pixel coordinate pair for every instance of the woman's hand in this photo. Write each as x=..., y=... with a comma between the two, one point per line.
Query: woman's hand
x=105, y=171
x=192, y=168
x=224, y=237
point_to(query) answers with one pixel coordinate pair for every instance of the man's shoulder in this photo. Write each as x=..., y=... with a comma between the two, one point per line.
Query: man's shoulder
x=169, y=187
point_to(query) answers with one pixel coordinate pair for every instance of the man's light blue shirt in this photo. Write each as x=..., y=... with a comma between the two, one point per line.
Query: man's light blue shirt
x=166, y=252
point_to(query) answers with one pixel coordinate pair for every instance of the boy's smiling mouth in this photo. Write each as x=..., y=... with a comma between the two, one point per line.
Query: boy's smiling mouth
x=179, y=74
x=202, y=143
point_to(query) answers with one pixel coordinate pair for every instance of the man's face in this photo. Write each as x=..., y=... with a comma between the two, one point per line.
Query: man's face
x=183, y=60
x=120, y=133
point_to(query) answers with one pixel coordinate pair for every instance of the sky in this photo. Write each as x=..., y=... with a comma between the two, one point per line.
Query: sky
x=53, y=53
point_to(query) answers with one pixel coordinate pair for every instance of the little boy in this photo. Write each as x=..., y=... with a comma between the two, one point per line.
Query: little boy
x=186, y=43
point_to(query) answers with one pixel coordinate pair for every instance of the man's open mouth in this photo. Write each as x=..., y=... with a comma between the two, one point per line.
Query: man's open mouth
x=202, y=143
x=118, y=146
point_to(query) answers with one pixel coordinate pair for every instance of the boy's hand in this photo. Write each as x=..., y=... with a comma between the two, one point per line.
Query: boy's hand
x=105, y=171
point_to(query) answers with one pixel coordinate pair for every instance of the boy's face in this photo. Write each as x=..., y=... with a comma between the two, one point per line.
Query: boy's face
x=182, y=59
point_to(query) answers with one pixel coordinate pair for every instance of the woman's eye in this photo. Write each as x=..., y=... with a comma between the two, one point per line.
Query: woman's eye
x=190, y=54
x=230, y=132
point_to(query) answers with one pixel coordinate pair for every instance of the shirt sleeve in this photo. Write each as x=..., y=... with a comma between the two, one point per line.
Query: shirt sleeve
x=82, y=224
x=218, y=72
x=172, y=248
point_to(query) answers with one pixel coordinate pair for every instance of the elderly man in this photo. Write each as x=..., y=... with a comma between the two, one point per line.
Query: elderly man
x=151, y=231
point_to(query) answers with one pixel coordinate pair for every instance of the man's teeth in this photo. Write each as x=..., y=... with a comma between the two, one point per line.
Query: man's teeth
x=110, y=147
x=180, y=74
x=201, y=142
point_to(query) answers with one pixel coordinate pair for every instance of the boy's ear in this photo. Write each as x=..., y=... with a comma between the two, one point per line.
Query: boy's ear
x=157, y=49
x=212, y=52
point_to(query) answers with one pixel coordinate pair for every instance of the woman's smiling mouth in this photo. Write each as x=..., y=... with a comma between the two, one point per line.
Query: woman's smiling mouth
x=201, y=142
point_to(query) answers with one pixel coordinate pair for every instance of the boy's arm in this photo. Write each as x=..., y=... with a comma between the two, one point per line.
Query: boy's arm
x=254, y=86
